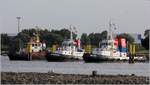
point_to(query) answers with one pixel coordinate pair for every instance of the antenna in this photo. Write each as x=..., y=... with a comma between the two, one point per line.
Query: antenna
x=50, y=27
x=109, y=31
x=112, y=27
x=71, y=33
x=37, y=34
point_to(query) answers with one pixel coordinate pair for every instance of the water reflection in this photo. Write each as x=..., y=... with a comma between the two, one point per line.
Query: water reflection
x=74, y=67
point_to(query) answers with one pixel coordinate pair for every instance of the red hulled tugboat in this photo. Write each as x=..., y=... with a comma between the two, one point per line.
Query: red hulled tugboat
x=35, y=50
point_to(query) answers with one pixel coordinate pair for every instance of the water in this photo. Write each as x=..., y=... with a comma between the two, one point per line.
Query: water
x=74, y=67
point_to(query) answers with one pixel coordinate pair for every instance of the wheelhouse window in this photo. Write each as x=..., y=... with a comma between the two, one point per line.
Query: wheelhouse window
x=36, y=45
x=32, y=45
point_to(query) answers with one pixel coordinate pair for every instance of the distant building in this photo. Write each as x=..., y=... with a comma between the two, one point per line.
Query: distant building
x=11, y=34
x=137, y=37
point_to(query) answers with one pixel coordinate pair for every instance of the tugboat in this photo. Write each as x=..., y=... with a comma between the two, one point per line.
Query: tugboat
x=70, y=50
x=35, y=50
x=109, y=49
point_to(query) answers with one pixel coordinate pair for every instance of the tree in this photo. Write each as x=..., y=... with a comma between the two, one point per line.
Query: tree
x=54, y=38
x=84, y=39
x=49, y=37
x=103, y=35
x=145, y=41
x=128, y=38
x=146, y=33
x=5, y=39
x=91, y=38
x=95, y=38
x=65, y=33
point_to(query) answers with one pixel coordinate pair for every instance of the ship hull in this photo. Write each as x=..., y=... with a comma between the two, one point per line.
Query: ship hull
x=17, y=56
x=27, y=56
x=54, y=57
x=87, y=57
x=38, y=55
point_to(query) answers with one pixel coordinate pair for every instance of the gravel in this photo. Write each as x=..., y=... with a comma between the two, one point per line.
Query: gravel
x=55, y=78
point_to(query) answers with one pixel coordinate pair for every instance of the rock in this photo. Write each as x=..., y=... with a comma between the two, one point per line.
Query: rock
x=48, y=78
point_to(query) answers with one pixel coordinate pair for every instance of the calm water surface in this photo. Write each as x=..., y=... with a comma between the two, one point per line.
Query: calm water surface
x=74, y=67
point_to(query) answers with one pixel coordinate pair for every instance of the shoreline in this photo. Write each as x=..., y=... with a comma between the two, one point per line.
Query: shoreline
x=57, y=78
x=76, y=60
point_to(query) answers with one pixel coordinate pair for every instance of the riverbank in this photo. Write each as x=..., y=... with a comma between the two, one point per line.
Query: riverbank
x=54, y=78
x=145, y=60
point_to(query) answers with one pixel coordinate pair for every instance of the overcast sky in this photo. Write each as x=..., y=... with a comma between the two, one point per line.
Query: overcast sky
x=87, y=15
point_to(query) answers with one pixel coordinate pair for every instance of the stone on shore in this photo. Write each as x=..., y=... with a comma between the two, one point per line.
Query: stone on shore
x=54, y=78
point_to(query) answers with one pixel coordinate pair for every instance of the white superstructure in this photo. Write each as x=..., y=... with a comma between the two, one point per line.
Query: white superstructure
x=107, y=49
x=70, y=48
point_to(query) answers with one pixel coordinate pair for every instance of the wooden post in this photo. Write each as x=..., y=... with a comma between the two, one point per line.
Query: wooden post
x=94, y=73
x=131, y=53
x=30, y=56
x=88, y=48
x=53, y=48
x=133, y=49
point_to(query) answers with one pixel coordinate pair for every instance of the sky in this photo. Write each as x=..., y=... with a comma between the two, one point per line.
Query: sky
x=130, y=16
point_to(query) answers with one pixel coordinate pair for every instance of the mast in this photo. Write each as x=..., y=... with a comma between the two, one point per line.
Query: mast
x=71, y=40
x=110, y=35
x=71, y=33
x=37, y=34
x=112, y=28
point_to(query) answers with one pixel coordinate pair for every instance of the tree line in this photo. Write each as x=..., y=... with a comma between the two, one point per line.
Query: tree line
x=57, y=36
x=145, y=40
